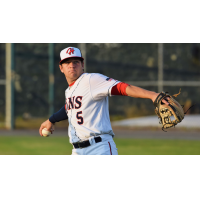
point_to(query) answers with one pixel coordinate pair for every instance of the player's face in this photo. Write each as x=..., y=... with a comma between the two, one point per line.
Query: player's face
x=72, y=68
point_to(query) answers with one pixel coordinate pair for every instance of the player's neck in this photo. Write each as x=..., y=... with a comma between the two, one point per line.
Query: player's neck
x=72, y=81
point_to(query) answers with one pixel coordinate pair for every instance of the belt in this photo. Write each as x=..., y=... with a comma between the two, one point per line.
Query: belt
x=80, y=145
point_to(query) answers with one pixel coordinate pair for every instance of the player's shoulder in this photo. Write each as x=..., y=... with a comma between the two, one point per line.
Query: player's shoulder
x=98, y=76
x=102, y=78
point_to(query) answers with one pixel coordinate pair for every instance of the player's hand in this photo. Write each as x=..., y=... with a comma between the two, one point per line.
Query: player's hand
x=48, y=125
x=164, y=101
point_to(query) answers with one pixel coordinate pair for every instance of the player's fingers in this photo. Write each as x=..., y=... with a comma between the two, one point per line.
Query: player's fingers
x=47, y=125
x=40, y=130
x=165, y=102
x=52, y=129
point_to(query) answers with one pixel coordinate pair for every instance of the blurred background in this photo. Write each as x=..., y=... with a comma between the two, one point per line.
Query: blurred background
x=32, y=86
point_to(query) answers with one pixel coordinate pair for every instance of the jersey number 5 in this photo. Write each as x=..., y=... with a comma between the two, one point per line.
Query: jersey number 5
x=80, y=118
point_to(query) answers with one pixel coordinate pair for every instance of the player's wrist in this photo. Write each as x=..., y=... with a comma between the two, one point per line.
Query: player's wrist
x=154, y=96
x=51, y=120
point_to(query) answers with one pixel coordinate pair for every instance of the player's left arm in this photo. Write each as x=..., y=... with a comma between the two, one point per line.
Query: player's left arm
x=125, y=89
x=137, y=92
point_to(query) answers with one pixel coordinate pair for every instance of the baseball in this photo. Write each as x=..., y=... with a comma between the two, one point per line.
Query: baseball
x=45, y=132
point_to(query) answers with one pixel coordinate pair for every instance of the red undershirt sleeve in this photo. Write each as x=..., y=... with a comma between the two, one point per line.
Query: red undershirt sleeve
x=119, y=89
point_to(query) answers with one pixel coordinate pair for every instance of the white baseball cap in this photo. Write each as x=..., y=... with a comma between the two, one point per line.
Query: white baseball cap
x=70, y=52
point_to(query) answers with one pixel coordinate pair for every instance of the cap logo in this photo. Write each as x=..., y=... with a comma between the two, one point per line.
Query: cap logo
x=70, y=50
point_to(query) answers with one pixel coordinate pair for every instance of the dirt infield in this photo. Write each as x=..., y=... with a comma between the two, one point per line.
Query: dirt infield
x=173, y=133
x=158, y=134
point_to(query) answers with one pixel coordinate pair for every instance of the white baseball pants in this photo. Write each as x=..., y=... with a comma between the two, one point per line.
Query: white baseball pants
x=105, y=147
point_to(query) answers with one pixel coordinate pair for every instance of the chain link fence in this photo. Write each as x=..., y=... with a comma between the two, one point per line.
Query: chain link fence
x=124, y=62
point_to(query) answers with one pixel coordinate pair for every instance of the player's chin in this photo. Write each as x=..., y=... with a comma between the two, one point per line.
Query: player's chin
x=73, y=73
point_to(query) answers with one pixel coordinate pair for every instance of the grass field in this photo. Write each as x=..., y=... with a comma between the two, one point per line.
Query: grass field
x=31, y=145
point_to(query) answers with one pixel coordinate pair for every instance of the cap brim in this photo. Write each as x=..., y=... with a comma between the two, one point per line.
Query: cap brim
x=72, y=57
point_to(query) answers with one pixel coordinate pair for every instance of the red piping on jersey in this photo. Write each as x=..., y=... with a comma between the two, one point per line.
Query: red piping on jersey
x=110, y=148
x=75, y=81
x=119, y=89
x=72, y=84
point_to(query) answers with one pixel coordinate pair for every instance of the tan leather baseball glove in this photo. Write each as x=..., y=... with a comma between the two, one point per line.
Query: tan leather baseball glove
x=164, y=112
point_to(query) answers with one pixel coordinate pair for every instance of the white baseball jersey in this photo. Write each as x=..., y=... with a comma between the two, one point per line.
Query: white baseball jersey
x=87, y=106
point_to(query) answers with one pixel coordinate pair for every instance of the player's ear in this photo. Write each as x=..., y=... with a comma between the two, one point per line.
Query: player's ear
x=83, y=65
x=61, y=68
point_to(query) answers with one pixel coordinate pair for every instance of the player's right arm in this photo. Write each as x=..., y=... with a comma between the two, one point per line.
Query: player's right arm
x=56, y=117
x=48, y=125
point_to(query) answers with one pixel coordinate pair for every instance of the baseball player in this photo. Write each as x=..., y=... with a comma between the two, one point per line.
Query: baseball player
x=86, y=106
